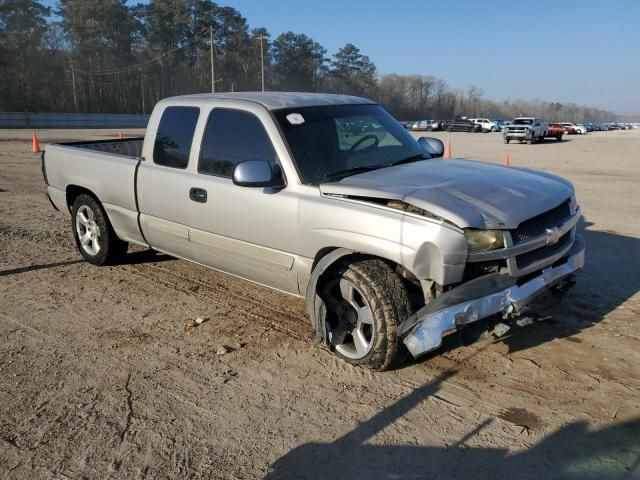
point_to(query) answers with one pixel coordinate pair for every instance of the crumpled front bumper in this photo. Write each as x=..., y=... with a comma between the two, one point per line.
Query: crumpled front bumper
x=481, y=298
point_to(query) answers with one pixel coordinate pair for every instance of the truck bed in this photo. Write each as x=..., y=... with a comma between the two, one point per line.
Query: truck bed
x=130, y=147
x=107, y=169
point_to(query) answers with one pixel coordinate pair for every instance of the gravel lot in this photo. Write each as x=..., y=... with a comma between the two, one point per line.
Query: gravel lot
x=100, y=379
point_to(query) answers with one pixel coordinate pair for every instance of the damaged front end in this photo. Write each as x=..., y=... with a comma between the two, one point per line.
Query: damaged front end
x=483, y=297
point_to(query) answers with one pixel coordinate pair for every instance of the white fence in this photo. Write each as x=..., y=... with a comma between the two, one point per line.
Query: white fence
x=71, y=120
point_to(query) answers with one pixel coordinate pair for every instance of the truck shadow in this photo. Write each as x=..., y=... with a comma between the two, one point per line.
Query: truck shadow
x=145, y=256
x=573, y=452
x=609, y=279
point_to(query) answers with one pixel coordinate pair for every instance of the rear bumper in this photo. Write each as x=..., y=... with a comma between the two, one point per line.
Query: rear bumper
x=481, y=298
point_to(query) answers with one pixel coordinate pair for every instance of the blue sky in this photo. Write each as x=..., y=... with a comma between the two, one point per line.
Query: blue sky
x=582, y=51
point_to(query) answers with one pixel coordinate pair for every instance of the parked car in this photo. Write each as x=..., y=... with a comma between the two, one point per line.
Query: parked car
x=527, y=129
x=390, y=245
x=485, y=124
x=577, y=129
x=422, y=126
x=463, y=125
x=438, y=125
x=568, y=130
x=555, y=130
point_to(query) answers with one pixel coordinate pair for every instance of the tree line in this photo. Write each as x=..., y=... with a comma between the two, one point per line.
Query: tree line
x=105, y=56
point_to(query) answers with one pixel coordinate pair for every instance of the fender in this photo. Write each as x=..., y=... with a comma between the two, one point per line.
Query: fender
x=317, y=309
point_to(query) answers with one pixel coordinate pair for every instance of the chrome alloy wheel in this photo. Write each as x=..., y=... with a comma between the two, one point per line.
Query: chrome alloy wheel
x=352, y=333
x=87, y=230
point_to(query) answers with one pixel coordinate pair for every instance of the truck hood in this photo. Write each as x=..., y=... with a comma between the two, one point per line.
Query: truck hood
x=467, y=193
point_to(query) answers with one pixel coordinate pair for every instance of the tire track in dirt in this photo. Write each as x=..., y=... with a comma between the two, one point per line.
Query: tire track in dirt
x=289, y=323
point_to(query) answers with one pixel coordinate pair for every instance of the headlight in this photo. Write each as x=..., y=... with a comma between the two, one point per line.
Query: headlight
x=484, y=240
x=573, y=205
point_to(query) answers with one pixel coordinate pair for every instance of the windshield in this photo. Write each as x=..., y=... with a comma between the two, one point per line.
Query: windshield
x=523, y=121
x=332, y=142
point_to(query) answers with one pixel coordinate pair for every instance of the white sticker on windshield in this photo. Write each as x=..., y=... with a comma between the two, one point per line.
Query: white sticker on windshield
x=295, y=118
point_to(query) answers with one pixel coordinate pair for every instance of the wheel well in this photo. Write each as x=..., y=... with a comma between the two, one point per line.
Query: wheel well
x=412, y=284
x=73, y=191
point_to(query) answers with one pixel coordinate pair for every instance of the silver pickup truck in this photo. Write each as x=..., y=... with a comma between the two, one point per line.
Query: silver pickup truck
x=328, y=198
x=525, y=129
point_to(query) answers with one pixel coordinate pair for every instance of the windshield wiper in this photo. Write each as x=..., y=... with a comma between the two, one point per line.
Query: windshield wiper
x=352, y=171
x=412, y=158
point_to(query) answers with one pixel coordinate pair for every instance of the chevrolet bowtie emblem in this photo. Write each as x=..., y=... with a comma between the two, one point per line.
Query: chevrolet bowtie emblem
x=553, y=235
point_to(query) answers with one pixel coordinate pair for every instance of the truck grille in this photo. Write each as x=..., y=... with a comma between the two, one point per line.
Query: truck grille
x=527, y=259
x=536, y=226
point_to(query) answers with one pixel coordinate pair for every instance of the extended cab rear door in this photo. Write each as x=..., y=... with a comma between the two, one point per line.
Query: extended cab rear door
x=164, y=180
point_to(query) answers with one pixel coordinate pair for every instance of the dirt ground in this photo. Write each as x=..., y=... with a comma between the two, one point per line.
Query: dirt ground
x=100, y=379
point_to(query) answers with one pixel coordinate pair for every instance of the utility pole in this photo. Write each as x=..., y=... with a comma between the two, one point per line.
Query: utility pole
x=262, y=60
x=142, y=91
x=73, y=81
x=213, y=73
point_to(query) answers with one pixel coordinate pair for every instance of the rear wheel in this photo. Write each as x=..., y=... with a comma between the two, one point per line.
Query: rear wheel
x=93, y=233
x=366, y=302
x=559, y=137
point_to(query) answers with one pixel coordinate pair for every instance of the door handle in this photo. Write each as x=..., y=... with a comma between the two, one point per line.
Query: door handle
x=198, y=195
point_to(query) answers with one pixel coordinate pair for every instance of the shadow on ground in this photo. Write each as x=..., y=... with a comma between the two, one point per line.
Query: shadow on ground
x=609, y=279
x=133, y=258
x=571, y=453
x=33, y=268
x=145, y=256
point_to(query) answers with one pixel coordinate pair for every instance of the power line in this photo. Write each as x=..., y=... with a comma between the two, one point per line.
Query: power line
x=137, y=66
x=136, y=80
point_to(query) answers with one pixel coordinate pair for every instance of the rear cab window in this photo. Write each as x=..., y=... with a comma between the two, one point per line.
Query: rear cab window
x=172, y=145
x=230, y=137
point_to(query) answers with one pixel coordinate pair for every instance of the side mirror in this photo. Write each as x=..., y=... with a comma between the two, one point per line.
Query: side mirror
x=433, y=146
x=258, y=173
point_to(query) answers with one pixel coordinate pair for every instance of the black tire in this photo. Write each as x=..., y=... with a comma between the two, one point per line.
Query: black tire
x=110, y=248
x=559, y=138
x=506, y=140
x=382, y=291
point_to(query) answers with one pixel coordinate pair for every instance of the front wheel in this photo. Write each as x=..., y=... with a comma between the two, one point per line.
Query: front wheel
x=93, y=233
x=506, y=140
x=366, y=302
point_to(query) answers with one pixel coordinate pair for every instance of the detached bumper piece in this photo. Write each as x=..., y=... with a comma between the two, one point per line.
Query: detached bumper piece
x=481, y=298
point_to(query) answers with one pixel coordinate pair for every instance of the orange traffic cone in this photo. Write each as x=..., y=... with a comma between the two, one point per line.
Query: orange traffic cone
x=506, y=159
x=35, y=146
x=120, y=136
x=447, y=150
